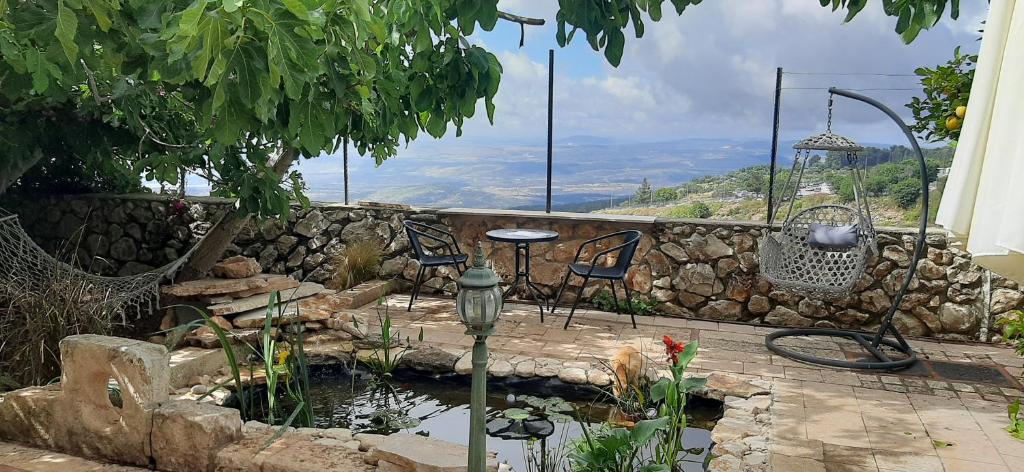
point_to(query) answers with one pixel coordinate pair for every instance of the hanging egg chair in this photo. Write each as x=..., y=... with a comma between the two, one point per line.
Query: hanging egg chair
x=822, y=251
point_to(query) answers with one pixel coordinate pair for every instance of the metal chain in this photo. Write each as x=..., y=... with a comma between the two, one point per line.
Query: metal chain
x=828, y=127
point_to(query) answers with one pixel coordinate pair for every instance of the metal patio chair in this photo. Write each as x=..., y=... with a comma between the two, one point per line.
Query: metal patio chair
x=433, y=247
x=625, y=252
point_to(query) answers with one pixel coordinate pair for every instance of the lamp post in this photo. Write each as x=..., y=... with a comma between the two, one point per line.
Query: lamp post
x=478, y=303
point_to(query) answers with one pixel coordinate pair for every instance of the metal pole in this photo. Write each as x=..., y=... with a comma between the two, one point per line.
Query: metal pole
x=344, y=154
x=922, y=230
x=478, y=407
x=551, y=108
x=775, y=143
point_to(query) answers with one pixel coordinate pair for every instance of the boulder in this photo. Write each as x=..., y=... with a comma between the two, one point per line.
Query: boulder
x=187, y=435
x=696, y=278
x=40, y=428
x=875, y=301
x=430, y=359
x=759, y=304
x=312, y=224
x=957, y=318
x=123, y=249
x=928, y=269
x=812, y=308
x=675, y=252
x=908, y=324
x=1004, y=299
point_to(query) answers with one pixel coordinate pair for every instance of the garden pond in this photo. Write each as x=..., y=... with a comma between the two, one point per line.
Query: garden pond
x=438, y=407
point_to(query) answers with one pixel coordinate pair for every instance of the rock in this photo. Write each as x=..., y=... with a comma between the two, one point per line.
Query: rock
x=722, y=310
x=415, y=453
x=909, y=325
x=958, y=294
x=268, y=256
x=271, y=229
x=851, y=317
x=244, y=306
x=90, y=425
x=188, y=435
x=526, y=368
x=210, y=287
x=547, y=367
x=696, y=278
x=748, y=261
x=1004, y=300
x=296, y=258
x=677, y=253
x=957, y=318
x=691, y=300
x=285, y=243
x=430, y=359
x=40, y=428
x=123, y=249
x=707, y=248
x=464, y=366
x=726, y=267
x=812, y=308
x=639, y=279
x=375, y=231
x=660, y=265
x=930, y=270
x=237, y=267
x=738, y=289
x=782, y=316
x=720, y=385
x=312, y=224
x=896, y=254
x=759, y=304
x=275, y=283
x=875, y=301
x=501, y=368
x=599, y=378
x=573, y=375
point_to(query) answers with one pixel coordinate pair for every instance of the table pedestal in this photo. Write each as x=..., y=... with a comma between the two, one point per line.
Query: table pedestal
x=523, y=273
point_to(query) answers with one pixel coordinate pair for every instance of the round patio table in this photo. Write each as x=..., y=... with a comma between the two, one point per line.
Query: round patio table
x=522, y=238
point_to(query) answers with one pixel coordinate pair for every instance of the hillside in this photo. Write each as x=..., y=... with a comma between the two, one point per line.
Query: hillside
x=890, y=179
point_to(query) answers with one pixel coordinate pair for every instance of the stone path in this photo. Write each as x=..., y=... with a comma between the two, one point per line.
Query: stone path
x=823, y=419
x=18, y=458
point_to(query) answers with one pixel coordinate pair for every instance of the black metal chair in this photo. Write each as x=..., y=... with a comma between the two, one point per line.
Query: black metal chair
x=625, y=250
x=426, y=242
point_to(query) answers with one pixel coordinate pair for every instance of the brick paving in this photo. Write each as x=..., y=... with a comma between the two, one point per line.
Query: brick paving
x=823, y=419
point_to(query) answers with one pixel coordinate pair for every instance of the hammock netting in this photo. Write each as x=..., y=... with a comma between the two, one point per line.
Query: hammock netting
x=27, y=268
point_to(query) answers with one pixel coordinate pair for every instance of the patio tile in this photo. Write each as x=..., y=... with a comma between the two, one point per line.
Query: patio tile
x=890, y=461
x=853, y=456
x=840, y=467
x=957, y=465
x=973, y=446
x=806, y=448
x=800, y=373
x=900, y=441
x=795, y=464
x=764, y=370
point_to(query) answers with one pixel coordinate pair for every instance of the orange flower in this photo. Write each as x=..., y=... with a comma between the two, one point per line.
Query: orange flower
x=672, y=348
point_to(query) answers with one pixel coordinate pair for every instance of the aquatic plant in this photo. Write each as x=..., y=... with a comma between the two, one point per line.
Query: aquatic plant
x=671, y=395
x=385, y=358
x=1016, y=428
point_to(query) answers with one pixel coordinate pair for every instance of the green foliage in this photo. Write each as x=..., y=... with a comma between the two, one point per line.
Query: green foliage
x=912, y=16
x=906, y=193
x=1016, y=428
x=643, y=192
x=637, y=305
x=945, y=88
x=551, y=408
x=694, y=210
x=384, y=359
x=1013, y=329
x=665, y=194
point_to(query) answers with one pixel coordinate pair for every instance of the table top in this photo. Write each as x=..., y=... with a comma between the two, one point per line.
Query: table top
x=522, y=235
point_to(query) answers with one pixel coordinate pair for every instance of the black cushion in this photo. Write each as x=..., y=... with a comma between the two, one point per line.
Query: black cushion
x=832, y=237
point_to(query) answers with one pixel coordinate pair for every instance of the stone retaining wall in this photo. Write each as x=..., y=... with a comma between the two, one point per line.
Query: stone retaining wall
x=698, y=268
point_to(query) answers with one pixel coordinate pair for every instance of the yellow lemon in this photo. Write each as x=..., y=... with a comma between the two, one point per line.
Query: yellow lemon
x=952, y=123
x=961, y=111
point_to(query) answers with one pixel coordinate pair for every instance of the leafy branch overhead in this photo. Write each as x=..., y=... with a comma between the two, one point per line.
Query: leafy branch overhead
x=233, y=89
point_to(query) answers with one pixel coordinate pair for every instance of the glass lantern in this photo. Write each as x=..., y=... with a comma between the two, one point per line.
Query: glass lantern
x=480, y=298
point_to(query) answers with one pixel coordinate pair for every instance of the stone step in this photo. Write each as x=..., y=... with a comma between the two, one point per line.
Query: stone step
x=190, y=362
x=314, y=308
x=213, y=287
x=364, y=293
x=261, y=300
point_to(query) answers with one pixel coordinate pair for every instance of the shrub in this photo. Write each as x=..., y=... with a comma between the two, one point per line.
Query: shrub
x=356, y=264
x=695, y=210
x=906, y=192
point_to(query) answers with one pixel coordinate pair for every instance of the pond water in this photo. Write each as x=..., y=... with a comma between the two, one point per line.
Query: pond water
x=438, y=406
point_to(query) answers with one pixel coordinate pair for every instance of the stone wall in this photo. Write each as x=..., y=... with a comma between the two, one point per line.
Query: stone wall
x=698, y=268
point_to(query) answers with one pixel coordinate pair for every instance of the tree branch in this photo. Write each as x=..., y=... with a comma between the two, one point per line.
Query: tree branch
x=100, y=99
x=523, y=20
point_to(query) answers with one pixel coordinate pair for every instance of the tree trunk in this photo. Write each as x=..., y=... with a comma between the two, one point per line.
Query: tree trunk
x=9, y=174
x=212, y=246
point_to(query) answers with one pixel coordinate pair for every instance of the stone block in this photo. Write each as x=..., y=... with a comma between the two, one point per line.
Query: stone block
x=236, y=267
x=28, y=416
x=188, y=435
x=191, y=362
x=91, y=426
x=415, y=453
x=362, y=294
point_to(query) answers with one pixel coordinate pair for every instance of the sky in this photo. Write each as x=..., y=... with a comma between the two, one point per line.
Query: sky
x=711, y=72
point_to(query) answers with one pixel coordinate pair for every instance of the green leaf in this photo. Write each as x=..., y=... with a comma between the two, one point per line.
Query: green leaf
x=67, y=28
x=232, y=5
x=190, y=17
x=100, y=10
x=516, y=414
x=644, y=430
x=298, y=8
x=613, y=49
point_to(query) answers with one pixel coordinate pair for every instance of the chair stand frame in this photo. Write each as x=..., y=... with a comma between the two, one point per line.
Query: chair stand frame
x=869, y=342
x=579, y=295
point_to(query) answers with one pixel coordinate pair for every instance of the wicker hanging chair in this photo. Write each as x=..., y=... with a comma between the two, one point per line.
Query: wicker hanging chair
x=793, y=263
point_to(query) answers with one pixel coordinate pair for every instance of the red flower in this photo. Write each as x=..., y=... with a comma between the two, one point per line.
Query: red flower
x=672, y=348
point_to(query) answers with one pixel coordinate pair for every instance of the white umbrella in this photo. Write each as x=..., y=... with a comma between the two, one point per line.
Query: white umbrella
x=983, y=201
